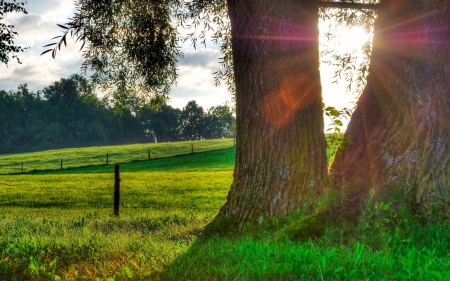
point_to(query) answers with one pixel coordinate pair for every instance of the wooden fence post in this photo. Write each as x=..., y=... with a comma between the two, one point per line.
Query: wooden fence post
x=192, y=148
x=116, y=190
x=107, y=158
x=149, y=155
x=61, y=163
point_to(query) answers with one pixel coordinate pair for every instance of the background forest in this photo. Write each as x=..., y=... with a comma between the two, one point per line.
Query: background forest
x=68, y=113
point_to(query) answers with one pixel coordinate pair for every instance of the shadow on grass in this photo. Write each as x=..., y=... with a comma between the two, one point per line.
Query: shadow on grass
x=244, y=258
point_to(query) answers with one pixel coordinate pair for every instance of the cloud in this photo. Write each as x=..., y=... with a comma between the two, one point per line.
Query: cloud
x=27, y=21
x=43, y=6
x=197, y=83
x=206, y=58
x=36, y=73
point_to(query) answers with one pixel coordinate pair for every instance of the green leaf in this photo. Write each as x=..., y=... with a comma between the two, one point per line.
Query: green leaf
x=62, y=26
x=384, y=207
x=117, y=277
x=127, y=271
x=371, y=194
x=157, y=269
x=52, y=265
x=46, y=51
x=334, y=112
x=437, y=275
x=338, y=122
x=86, y=231
x=33, y=265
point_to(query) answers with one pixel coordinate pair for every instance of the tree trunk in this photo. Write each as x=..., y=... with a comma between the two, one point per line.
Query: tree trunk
x=400, y=130
x=280, y=150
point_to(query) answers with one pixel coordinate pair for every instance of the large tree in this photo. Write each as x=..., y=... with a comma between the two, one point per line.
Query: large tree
x=280, y=144
x=400, y=130
x=280, y=151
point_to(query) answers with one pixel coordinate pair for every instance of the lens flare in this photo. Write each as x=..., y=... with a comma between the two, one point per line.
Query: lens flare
x=297, y=92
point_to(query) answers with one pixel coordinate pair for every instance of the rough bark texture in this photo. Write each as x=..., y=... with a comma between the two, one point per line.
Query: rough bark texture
x=280, y=149
x=400, y=130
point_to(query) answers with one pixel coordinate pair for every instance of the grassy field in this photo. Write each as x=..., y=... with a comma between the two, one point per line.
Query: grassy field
x=58, y=225
x=95, y=156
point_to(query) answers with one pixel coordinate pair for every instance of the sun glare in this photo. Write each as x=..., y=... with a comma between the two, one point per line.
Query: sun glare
x=345, y=40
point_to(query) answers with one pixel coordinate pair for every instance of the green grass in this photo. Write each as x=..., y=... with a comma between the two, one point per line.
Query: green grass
x=60, y=223
x=95, y=156
x=66, y=216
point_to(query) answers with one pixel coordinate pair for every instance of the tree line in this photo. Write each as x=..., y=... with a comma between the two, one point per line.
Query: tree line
x=68, y=113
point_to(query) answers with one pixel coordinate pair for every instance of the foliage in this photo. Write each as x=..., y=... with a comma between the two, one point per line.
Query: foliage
x=191, y=125
x=132, y=47
x=219, y=122
x=145, y=71
x=335, y=138
x=163, y=124
x=7, y=34
x=351, y=63
x=68, y=113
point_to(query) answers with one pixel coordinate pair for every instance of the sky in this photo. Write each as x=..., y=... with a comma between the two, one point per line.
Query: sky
x=196, y=69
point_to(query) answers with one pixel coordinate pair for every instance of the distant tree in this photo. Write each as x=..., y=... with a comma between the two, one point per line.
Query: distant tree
x=191, y=121
x=68, y=91
x=162, y=124
x=7, y=33
x=218, y=122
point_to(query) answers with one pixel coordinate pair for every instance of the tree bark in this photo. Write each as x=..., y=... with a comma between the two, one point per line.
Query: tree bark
x=400, y=130
x=280, y=145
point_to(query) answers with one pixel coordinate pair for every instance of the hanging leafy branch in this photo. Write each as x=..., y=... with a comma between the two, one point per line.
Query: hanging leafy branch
x=211, y=16
x=7, y=33
x=130, y=47
x=355, y=62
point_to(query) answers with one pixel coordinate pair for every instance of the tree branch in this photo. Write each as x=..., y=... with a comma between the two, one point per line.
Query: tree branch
x=345, y=5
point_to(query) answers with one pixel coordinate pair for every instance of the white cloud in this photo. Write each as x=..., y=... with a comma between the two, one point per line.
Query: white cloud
x=35, y=30
x=196, y=80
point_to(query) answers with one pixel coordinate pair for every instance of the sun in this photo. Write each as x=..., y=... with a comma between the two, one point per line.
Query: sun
x=345, y=40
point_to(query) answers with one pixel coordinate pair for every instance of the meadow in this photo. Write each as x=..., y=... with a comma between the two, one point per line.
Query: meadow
x=59, y=225
x=96, y=155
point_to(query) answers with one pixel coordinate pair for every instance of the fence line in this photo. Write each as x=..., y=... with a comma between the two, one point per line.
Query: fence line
x=86, y=161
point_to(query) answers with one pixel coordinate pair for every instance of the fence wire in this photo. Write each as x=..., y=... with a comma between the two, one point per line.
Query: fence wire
x=100, y=160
